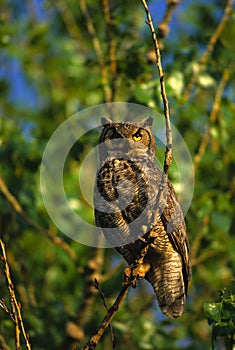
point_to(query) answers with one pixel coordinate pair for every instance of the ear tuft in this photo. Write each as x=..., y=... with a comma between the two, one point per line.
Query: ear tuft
x=147, y=121
x=105, y=121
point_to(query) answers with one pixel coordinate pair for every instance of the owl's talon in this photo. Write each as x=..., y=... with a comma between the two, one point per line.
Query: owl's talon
x=135, y=273
x=126, y=276
x=140, y=271
x=129, y=277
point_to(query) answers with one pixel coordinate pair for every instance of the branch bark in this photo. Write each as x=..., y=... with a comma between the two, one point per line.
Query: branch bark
x=106, y=321
x=168, y=154
x=15, y=305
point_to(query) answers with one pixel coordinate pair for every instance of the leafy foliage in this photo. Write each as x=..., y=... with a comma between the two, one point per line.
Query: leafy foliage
x=221, y=315
x=50, y=69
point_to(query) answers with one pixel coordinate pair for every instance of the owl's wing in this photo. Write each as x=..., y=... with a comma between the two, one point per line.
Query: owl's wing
x=169, y=257
x=169, y=270
x=173, y=221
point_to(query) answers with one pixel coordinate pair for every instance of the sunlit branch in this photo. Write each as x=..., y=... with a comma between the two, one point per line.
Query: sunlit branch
x=107, y=319
x=168, y=154
x=214, y=112
x=98, y=287
x=213, y=40
x=15, y=305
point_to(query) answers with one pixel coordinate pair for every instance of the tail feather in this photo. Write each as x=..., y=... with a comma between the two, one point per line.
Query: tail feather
x=166, y=277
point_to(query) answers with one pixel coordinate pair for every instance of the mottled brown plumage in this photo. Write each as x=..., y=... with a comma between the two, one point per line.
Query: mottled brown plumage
x=129, y=206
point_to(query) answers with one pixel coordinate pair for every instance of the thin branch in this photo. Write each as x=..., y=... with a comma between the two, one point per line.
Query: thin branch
x=163, y=28
x=4, y=307
x=131, y=276
x=212, y=119
x=93, y=271
x=168, y=154
x=98, y=50
x=106, y=321
x=147, y=239
x=213, y=40
x=15, y=305
x=17, y=207
x=75, y=329
x=98, y=287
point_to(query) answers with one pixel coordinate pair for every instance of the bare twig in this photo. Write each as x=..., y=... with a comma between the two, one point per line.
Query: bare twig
x=17, y=207
x=15, y=305
x=75, y=329
x=93, y=271
x=212, y=119
x=163, y=28
x=168, y=154
x=4, y=307
x=204, y=58
x=98, y=287
x=106, y=321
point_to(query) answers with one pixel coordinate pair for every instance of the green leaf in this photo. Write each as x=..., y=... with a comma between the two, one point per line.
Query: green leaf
x=212, y=312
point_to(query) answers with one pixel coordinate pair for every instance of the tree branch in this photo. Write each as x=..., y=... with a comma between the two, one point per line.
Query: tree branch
x=75, y=328
x=163, y=28
x=15, y=305
x=106, y=321
x=98, y=287
x=212, y=119
x=213, y=40
x=168, y=153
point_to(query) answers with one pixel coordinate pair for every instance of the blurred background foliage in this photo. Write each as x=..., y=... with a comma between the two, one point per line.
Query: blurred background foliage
x=58, y=57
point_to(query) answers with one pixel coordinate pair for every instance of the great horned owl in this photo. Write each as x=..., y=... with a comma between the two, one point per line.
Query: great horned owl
x=129, y=207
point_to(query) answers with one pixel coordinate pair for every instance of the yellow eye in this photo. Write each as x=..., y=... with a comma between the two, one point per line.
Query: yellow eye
x=137, y=136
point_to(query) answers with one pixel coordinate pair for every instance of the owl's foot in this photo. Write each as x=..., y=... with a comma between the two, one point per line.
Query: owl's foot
x=135, y=273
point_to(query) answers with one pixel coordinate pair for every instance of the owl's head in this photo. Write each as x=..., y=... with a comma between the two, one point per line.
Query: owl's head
x=136, y=137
